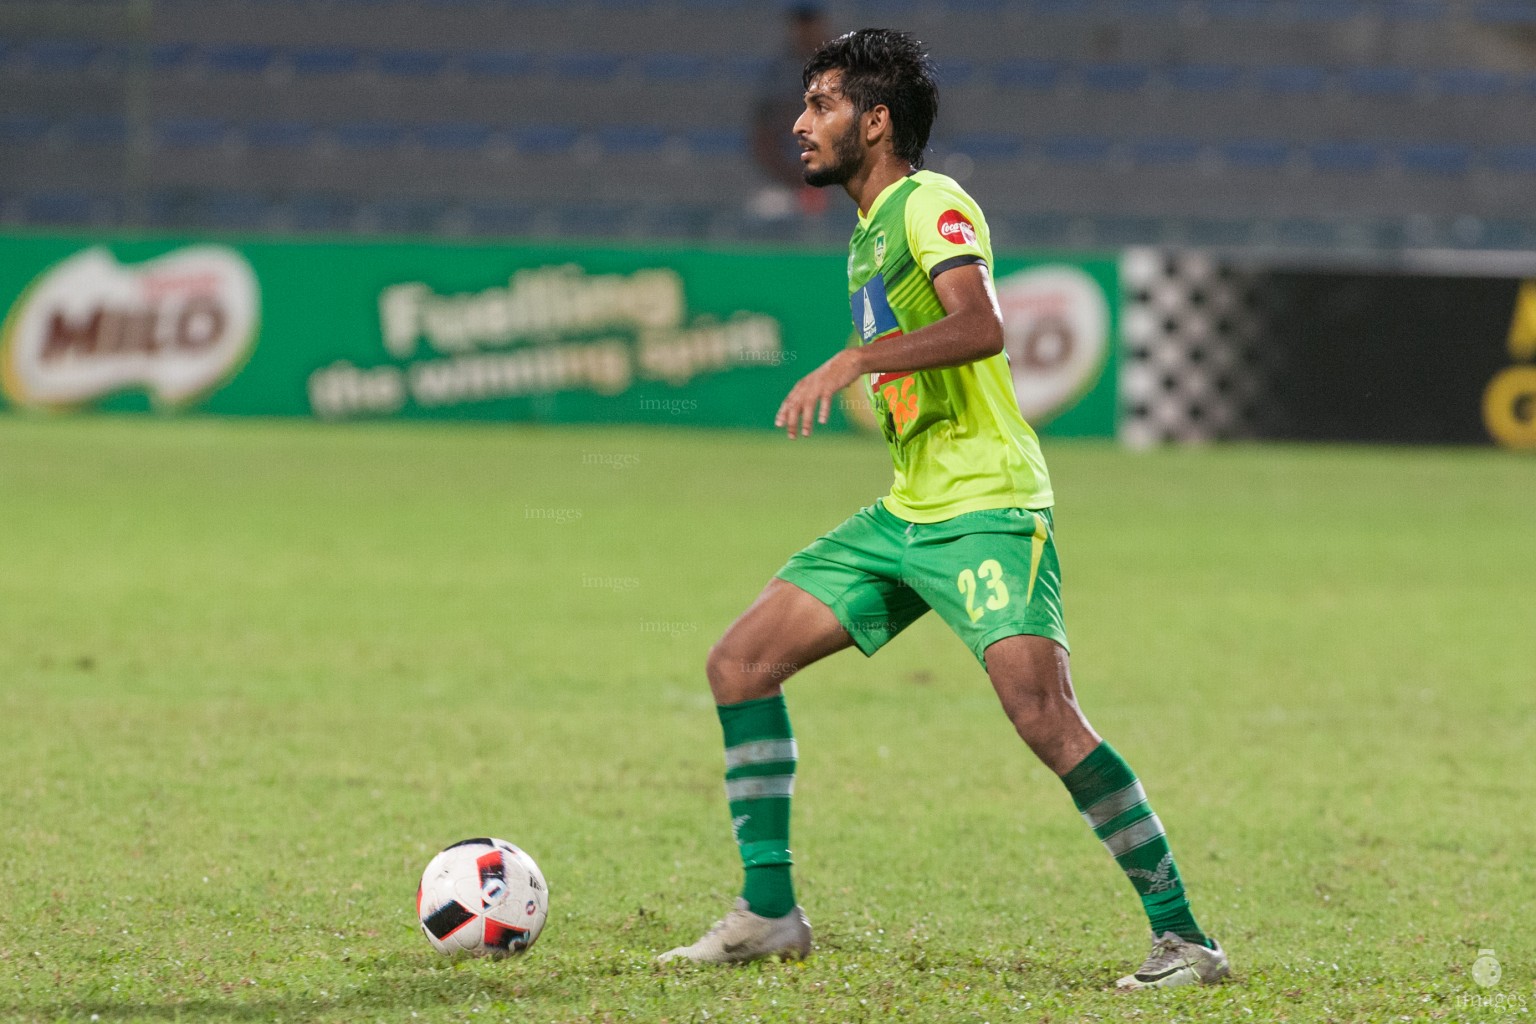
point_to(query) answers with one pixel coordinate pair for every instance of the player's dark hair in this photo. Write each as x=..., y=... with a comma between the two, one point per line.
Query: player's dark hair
x=883, y=67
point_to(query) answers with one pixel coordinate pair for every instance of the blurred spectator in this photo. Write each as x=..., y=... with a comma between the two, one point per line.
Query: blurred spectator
x=779, y=103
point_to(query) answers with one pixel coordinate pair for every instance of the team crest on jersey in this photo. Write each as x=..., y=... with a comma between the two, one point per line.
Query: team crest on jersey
x=879, y=250
x=956, y=227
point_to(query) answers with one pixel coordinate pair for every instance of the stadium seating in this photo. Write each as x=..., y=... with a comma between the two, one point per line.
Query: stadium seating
x=1074, y=119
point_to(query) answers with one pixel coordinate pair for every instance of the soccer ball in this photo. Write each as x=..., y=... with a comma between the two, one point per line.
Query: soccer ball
x=482, y=897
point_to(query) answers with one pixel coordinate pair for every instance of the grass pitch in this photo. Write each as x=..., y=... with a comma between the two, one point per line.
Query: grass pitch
x=257, y=673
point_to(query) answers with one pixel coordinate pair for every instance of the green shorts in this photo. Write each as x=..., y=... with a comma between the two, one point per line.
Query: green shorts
x=989, y=574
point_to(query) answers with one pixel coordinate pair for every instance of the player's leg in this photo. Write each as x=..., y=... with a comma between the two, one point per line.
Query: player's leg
x=1033, y=681
x=780, y=633
x=839, y=592
x=1005, y=603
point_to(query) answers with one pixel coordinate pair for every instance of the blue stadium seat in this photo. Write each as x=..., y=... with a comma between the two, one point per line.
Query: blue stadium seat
x=409, y=215
x=1505, y=12
x=988, y=145
x=591, y=67
x=241, y=58
x=65, y=208
x=594, y=220
x=956, y=71
x=238, y=211
x=1240, y=9
x=1028, y=74
x=1256, y=154
x=1165, y=152
x=1323, y=10
x=1039, y=228
x=1306, y=233
x=98, y=130
x=1345, y=157
x=1075, y=149
x=370, y=134
x=171, y=56
x=1507, y=234
x=1211, y=78
x=715, y=141
x=1153, y=8
x=1471, y=82
x=410, y=63
x=1395, y=83
x=499, y=218
x=1446, y=160
x=1125, y=229
x=1511, y=159
x=324, y=60
x=23, y=129
x=631, y=138
x=323, y=212
x=497, y=63
x=1115, y=77
x=1414, y=10
x=1291, y=80
x=677, y=220
x=544, y=139
x=279, y=134
x=1219, y=232
x=675, y=67
x=458, y=136
x=190, y=132
x=744, y=67
x=62, y=56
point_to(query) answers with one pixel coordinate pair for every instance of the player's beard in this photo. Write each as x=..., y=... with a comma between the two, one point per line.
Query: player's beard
x=845, y=163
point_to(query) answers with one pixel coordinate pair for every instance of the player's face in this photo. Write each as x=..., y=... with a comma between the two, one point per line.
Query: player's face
x=828, y=132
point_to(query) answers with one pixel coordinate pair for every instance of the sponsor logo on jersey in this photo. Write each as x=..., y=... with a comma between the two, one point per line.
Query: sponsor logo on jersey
x=872, y=313
x=1056, y=335
x=176, y=326
x=874, y=318
x=956, y=227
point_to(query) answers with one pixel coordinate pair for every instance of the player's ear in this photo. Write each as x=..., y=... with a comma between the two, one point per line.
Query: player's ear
x=877, y=123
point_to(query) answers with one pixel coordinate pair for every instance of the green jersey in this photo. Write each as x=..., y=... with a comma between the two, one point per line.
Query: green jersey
x=956, y=435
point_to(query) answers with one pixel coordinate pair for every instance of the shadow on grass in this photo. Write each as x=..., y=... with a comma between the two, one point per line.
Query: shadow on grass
x=390, y=998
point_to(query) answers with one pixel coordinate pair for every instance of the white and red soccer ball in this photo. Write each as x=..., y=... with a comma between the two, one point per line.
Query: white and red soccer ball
x=482, y=897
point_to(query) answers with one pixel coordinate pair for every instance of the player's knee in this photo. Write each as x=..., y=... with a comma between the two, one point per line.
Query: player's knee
x=735, y=675
x=1038, y=713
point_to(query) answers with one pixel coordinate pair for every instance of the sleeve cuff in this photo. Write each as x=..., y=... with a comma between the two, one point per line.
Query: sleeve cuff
x=964, y=259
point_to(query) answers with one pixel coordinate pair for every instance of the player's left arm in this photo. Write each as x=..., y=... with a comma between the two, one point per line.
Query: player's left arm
x=970, y=329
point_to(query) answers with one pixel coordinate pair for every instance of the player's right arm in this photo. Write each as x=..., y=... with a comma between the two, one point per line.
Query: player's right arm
x=971, y=329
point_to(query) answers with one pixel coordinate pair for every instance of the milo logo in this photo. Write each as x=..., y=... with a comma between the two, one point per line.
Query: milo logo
x=176, y=325
x=1056, y=331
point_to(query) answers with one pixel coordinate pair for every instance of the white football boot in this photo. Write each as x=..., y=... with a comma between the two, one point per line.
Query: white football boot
x=1175, y=961
x=743, y=936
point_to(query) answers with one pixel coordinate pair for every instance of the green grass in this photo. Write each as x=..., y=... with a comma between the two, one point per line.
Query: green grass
x=257, y=673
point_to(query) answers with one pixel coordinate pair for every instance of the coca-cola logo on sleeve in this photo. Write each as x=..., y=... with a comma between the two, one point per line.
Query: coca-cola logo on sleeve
x=955, y=227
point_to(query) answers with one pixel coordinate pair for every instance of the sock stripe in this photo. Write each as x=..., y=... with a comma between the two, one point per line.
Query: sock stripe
x=761, y=752
x=1118, y=802
x=1136, y=834
x=756, y=787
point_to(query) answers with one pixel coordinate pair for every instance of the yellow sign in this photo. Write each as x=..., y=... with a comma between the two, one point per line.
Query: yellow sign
x=1509, y=402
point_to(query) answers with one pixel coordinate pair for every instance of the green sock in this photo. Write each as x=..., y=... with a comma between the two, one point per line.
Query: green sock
x=759, y=779
x=1115, y=806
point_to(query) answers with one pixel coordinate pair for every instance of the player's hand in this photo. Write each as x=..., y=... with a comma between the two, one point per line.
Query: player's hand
x=811, y=397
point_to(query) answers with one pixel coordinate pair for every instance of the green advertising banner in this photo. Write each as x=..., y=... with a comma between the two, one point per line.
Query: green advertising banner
x=551, y=333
